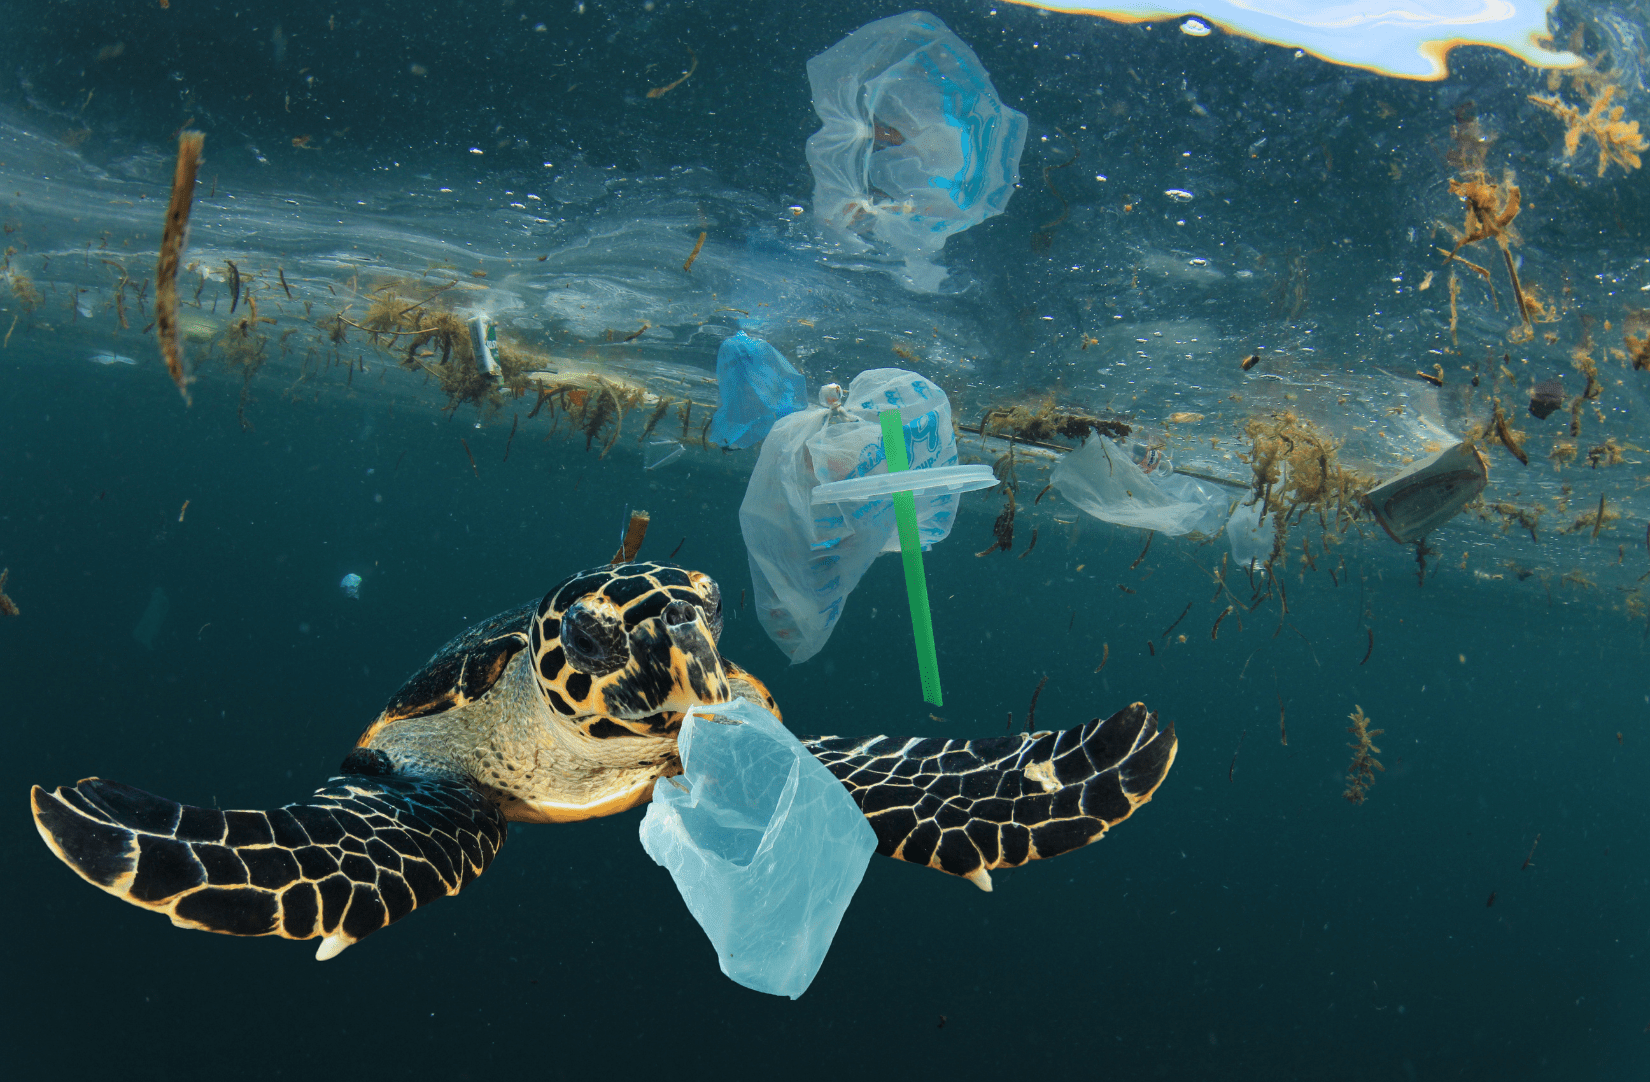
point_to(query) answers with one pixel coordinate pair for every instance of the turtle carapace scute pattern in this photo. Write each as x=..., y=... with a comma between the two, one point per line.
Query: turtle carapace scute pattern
x=558, y=710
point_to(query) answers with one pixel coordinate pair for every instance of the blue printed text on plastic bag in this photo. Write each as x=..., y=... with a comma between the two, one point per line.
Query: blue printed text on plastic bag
x=765, y=845
x=916, y=145
x=758, y=386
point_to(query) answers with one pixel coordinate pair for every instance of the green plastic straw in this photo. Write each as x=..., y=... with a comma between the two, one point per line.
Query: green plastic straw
x=910, y=550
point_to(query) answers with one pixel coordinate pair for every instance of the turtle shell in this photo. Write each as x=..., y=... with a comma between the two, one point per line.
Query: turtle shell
x=464, y=669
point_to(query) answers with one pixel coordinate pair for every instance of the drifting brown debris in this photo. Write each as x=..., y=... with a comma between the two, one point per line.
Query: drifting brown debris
x=1435, y=377
x=634, y=532
x=1105, y=656
x=1530, y=859
x=8, y=607
x=1618, y=139
x=1360, y=775
x=1045, y=423
x=697, y=246
x=1002, y=531
x=1250, y=361
x=1635, y=334
x=1546, y=398
x=1031, y=711
x=173, y=237
x=1510, y=438
x=661, y=91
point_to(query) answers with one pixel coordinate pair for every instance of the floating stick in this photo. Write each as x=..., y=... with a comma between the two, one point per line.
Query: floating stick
x=910, y=549
x=634, y=531
x=173, y=237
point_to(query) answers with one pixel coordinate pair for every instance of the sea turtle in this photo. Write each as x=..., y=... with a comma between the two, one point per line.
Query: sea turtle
x=563, y=709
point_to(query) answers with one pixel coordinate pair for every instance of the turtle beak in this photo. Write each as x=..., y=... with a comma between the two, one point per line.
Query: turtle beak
x=695, y=663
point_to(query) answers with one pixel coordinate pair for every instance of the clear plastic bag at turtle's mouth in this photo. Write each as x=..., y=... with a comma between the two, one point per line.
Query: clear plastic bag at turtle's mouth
x=916, y=145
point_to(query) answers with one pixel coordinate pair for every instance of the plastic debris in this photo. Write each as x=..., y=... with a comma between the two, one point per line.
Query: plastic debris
x=1429, y=493
x=1251, y=535
x=1102, y=479
x=484, y=343
x=110, y=358
x=765, y=845
x=916, y=144
x=805, y=560
x=351, y=585
x=758, y=386
x=661, y=453
x=154, y=616
x=953, y=479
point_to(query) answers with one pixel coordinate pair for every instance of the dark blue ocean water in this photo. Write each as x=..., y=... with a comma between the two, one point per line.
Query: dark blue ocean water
x=1247, y=923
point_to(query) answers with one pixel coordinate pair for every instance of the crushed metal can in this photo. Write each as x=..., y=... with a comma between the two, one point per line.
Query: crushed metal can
x=1429, y=493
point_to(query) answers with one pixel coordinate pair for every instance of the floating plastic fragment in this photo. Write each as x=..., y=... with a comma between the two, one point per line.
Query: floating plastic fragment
x=484, y=343
x=1252, y=535
x=806, y=559
x=1547, y=398
x=1195, y=28
x=758, y=386
x=916, y=144
x=1429, y=493
x=661, y=453
x=764, y=844
x=1409, y=39
x=110, y=358
x=1180, y=195
x=1103, y=480
x=351, y=585
x=154, y=616
x=952, y=479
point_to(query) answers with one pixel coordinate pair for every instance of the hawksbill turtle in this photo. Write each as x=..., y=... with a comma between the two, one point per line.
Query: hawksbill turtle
x=558, y=710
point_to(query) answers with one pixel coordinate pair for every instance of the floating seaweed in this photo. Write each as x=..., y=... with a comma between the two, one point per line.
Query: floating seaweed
x=1635, y=335
x=1002, y=530
x=1045, y=423
x=1618, y=139
x=173, y=236
x=1360, y=775
x=8, y=607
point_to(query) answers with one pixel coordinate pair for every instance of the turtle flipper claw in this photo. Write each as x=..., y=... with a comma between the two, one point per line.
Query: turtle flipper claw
x=361, y=854
x=967, y=806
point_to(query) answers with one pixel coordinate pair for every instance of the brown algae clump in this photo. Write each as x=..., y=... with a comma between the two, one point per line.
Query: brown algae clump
x=1360, y=775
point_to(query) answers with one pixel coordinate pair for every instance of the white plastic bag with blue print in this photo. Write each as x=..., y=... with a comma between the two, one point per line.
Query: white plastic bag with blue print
x=916, y=145
x=806, y=559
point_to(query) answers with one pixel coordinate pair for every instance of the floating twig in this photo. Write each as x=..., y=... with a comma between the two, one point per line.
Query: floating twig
x=471, y=457
x=173, y=237
x=1531, y=858
x=1149, y=535
x=634, y=532
x=514, y=421
x=1230, y=770
x=1177, y=620
x=1371, y=649
x=1105, y=656
x=1031, y=711
x=661, y=91
x=700, y=243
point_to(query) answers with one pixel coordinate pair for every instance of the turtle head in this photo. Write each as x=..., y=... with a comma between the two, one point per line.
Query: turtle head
x=628, y=648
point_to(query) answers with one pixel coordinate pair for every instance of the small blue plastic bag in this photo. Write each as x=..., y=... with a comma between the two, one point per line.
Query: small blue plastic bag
x=766, y=846
x=758, y=386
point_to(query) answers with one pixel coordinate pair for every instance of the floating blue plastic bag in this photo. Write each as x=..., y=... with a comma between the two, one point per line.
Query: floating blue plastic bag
x=806, y=558
x=766, y=846
x=758, y=386
x=916, y=144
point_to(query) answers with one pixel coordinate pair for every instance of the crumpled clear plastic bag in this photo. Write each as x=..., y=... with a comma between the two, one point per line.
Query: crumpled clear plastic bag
x=757, y=386
x=806, y=559
x=916, y=144
x=765, y=845
x=1251, y=535
x=1101, y=479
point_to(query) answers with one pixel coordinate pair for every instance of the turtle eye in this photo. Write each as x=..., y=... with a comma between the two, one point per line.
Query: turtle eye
x=592, y=645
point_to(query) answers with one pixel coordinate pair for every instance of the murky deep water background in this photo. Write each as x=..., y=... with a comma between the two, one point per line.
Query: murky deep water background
x=1248, y=923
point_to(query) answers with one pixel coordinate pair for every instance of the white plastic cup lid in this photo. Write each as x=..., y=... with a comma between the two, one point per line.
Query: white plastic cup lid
x=930, y=481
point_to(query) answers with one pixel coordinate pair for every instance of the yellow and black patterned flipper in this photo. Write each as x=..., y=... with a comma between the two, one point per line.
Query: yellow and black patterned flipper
x=967, y=806
x=360, y=854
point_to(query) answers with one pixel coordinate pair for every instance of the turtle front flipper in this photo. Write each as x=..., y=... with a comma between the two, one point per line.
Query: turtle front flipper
x=967, y=806
x=362, y=853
